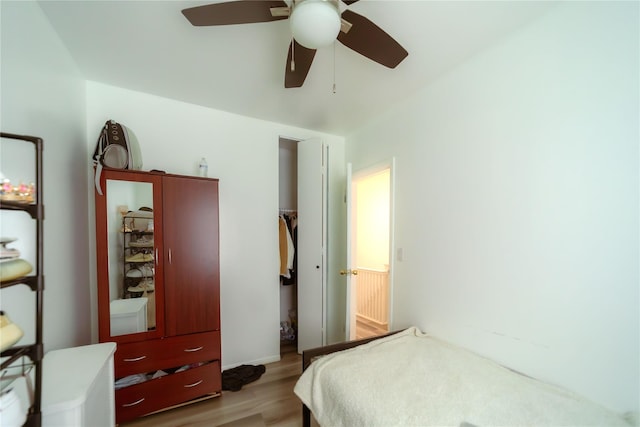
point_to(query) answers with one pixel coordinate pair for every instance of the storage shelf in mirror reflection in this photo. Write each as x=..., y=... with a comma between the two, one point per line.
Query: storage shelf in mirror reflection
x=131, y=255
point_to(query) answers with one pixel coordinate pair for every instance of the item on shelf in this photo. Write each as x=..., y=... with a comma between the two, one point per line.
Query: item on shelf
x=22, y=193
x=144, y=285
x=142, y=271
x=203, y=168
x=143, y=242
x=139, y=220
x=10, y=332
x=140, y=257
x=141, y=212
x=14, y=268
x=5, y=252
x=11, y=409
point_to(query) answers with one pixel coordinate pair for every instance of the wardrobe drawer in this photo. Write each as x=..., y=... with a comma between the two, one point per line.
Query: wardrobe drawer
x=167, y=391
x=171, y=352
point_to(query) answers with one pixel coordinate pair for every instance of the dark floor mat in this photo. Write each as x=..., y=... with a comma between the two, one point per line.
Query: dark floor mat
x=233, y=379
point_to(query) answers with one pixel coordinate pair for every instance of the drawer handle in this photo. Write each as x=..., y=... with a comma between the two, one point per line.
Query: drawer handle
x=135, y=359
x=191, y=350
x=126, y=405
x=194, y=384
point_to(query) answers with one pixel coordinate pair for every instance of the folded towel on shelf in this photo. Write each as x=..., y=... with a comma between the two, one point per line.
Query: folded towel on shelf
x=14, y=268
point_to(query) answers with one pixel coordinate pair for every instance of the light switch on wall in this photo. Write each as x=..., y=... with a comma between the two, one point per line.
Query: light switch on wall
x=400, y=254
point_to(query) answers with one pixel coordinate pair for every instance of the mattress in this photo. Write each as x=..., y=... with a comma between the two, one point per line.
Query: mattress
x=412, y=379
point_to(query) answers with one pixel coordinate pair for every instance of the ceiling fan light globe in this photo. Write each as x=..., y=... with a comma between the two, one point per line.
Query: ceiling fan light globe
x=315, y=23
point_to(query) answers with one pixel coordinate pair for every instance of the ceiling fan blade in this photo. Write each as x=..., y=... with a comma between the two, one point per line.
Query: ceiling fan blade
x=371, y=41
x=303, y=58
x=234, y=12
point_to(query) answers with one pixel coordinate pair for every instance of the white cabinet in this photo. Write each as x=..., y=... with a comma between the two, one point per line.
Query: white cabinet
x=77, y=387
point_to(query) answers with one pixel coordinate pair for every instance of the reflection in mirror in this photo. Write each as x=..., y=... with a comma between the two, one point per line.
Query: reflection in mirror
x=131, y=257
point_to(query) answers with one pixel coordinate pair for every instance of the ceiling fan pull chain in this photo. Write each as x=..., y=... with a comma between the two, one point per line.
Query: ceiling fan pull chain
x=293, y=59
x=334, y=67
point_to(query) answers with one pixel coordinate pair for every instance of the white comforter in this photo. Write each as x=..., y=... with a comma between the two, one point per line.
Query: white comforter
x=411, y=379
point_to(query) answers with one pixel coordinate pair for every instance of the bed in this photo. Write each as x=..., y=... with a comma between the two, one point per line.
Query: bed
x=409, y=378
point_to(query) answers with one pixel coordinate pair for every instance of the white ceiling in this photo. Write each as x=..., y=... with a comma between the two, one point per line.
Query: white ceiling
x=150, y=47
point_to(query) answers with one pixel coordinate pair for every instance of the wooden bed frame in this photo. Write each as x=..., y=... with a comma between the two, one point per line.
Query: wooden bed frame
x=310, y=355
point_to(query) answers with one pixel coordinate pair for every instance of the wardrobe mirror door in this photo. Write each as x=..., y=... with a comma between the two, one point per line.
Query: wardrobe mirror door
x=131, y=255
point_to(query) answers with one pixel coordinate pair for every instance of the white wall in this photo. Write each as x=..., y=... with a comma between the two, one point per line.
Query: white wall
x=243, y=153
x=517, y=201
x=42, y=94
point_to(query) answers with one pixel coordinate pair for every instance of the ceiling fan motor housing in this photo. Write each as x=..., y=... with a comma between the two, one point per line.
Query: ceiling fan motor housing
x=315, y=23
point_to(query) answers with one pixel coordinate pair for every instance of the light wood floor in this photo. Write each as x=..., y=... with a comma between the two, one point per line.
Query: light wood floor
x=269, y=401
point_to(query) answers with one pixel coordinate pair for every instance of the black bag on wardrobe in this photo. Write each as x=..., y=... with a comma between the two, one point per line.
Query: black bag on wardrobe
x=118, y=148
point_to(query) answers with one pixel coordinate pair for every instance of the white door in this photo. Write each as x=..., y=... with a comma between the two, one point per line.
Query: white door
x=348, y=272
x=312, y=226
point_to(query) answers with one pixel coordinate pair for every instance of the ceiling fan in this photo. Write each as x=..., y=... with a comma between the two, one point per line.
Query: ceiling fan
x=314, y=24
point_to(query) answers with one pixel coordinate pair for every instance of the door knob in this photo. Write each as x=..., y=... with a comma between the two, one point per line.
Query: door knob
x=345, y=272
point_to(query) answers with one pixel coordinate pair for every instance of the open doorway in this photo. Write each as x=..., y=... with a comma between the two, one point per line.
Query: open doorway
x=287, y=220
x=303, y=242
x=369, y=310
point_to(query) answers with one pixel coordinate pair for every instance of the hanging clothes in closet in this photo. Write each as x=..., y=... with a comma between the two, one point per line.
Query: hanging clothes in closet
x=287, y=238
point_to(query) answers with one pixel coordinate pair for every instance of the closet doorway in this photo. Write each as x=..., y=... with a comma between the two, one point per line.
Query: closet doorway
x=288, y=217
x=302, y=229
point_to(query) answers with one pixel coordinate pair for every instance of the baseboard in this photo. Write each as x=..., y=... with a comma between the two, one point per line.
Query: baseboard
x=371, y=322
x=262, y=361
